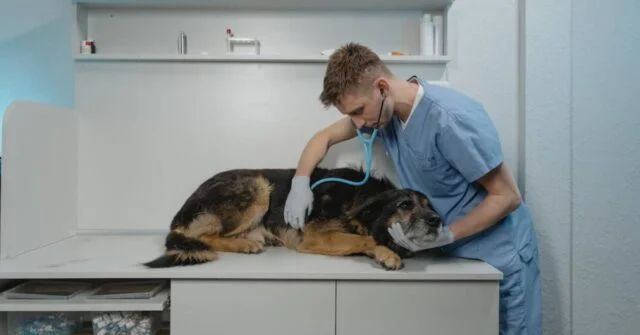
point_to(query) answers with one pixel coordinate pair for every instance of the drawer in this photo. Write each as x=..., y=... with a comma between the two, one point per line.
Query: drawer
x=417, y=307
x=249, y=307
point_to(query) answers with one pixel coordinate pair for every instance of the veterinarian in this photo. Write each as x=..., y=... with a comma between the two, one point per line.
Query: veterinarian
x=443, y=144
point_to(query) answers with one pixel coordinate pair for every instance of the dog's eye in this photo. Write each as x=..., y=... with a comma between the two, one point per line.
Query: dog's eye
x=406, y=205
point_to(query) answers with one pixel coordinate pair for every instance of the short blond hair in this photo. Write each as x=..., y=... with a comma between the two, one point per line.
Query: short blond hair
x=351, y=68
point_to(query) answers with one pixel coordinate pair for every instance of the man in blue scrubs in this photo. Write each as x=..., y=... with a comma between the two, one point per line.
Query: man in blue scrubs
x=443, y=144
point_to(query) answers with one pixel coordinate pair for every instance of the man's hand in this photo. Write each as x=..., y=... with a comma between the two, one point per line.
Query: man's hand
x=444, y=238
x=299, y=202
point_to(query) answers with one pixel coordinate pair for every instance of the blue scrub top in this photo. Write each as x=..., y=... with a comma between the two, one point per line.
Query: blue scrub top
x=448, y=144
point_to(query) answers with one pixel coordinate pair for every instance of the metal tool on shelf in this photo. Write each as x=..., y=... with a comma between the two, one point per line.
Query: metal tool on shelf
x=182, y=43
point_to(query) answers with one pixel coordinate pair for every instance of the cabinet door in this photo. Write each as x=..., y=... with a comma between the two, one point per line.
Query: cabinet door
x=249, y=307
x=412, y=308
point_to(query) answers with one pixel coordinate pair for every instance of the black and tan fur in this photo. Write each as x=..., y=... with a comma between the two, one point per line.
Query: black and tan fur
x=242, y=211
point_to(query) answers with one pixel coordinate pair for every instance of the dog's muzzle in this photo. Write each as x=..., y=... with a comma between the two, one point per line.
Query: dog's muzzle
x=425, y=228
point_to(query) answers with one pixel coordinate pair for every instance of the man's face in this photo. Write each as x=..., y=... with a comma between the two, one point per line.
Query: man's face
x=364, y=109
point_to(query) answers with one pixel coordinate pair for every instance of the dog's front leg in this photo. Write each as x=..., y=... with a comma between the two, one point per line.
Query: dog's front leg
x=335, y=243
x=386, y=257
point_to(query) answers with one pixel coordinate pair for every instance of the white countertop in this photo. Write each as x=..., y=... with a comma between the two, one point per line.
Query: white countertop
x=120, y=256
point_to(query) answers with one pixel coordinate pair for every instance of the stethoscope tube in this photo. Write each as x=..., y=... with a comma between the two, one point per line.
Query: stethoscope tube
x=368, y=155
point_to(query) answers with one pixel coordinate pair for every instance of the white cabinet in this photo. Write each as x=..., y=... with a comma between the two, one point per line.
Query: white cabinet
x=249, y=307
x=341, y=307
x=417, y=307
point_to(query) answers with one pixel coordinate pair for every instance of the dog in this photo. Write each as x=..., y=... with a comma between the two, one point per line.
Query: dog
x=242, y=211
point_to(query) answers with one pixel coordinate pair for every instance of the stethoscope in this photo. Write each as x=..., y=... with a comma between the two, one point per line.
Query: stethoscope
x=368, y=154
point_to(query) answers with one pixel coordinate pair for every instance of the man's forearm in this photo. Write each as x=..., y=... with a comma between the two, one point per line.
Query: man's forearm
x=490, y=211
x=313, y=153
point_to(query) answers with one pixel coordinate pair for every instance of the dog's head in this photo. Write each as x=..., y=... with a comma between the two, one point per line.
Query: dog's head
x=412, y=209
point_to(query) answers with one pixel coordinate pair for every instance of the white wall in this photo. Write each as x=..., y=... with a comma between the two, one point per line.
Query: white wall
x=547, y=152
x=582, y=158
x=35, y=52
x=606, y=167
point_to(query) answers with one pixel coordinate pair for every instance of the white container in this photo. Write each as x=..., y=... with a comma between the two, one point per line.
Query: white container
x=438, y=34
x=426, y=35
x=232, y=42
x=251, y=44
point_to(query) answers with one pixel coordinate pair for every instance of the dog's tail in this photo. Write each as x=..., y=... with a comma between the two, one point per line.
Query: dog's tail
x=181, y=250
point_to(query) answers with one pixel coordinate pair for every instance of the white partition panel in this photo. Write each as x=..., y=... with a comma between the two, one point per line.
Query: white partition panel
x=39, y=176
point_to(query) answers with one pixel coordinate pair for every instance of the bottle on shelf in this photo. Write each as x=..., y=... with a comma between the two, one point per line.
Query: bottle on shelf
x=426, y=35
x=438, y=34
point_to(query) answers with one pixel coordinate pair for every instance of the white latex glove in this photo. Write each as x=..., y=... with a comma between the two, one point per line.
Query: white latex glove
x=299, y=201
x=444, y=238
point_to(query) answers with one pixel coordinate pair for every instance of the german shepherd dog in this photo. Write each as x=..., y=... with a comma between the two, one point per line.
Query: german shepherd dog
x=242, y=211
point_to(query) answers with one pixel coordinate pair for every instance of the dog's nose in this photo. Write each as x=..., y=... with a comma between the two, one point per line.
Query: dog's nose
x=434, y=220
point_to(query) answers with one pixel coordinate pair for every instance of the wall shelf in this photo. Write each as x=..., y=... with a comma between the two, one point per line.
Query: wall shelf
x=248, y=58
x=278, y=4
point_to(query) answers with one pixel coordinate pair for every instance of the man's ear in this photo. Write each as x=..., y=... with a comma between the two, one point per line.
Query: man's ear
x=381, y=83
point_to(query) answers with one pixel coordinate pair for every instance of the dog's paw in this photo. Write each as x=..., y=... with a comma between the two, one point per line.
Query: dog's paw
x=273, y=242
x=250, y=246
x=388, y=259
